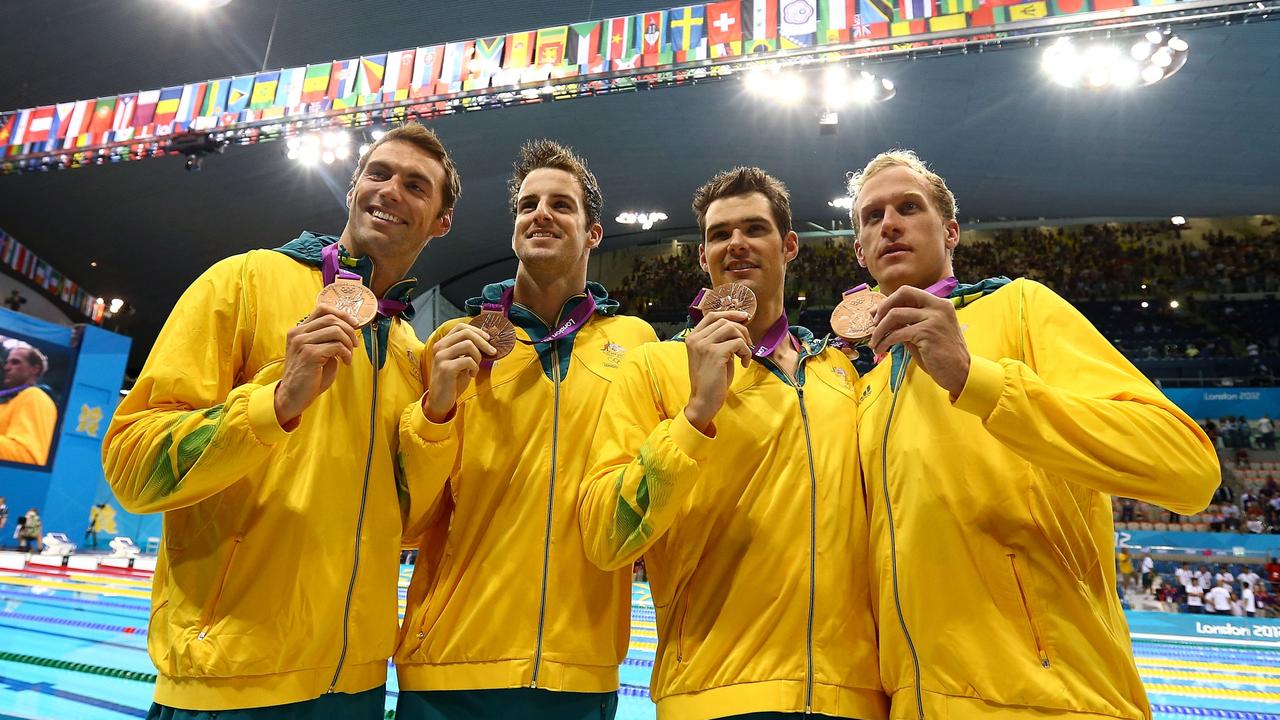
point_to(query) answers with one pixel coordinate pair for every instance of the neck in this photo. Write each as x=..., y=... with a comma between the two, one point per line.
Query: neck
x=767, y=312
x=546, y=295
x=387, y=269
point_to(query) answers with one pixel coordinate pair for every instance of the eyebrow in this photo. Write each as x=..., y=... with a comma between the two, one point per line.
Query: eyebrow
x=906, y=194
x=555, y=196
x=738, y=221
x=411, y=174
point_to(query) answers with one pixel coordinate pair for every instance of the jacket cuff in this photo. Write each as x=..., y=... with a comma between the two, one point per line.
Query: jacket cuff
x=262, y=416
x=689, y=439
x=982, y=388
x=427, y=430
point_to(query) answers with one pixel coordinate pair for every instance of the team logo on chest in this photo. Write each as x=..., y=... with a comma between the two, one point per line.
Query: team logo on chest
x=613, y=354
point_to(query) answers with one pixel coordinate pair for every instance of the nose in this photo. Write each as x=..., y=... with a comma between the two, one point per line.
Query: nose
x=737, y=241
x=541, y=212
x=891, y=223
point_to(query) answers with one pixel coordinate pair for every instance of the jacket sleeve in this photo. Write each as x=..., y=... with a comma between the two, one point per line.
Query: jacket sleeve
x=32, y=419
x=192, y=426
x=430, y=453
x=643, y=467
x=1075, y=407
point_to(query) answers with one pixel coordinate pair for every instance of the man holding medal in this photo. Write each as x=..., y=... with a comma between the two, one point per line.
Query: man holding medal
x=263, y=426
x=724, y=457
x=506, y=618
x=991, y=434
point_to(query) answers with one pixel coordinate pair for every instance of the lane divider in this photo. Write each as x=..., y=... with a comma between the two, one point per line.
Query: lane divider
x=78, y=667
x=127, y=630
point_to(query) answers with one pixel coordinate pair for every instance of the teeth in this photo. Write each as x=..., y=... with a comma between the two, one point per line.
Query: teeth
x=385, y=216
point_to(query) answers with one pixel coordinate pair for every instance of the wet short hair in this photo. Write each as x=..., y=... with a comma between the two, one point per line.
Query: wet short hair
x=944, y=201
x=548, y=154
x=744, y=181
x=426, y=140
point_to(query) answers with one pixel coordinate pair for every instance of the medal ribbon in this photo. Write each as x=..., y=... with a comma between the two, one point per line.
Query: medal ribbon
x=9, y=394
x=765, y=347
x=576, y=319
x=332, y=271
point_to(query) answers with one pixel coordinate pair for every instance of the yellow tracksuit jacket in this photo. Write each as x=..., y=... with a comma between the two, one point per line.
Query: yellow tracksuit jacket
x=754, y=539
x=992, y=539
x=27, y=423
x=277, y=574
x=502, y=595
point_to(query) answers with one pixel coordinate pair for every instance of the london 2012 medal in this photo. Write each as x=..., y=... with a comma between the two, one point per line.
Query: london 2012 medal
x=502, y=334
x=733, y=296
x=351, y=297
x=851, y=319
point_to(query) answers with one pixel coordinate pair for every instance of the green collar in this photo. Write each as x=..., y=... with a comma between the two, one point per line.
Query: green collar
x=307, y=249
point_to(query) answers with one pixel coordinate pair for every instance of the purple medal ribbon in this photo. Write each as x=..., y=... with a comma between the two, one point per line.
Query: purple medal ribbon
x=331, y=270
x=943, y=287
x=771, y=340
x=576, y=319
x=5, y=395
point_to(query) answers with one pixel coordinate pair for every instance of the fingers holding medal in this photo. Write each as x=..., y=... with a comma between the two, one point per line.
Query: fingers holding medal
x=500, y=332
x=854, y=319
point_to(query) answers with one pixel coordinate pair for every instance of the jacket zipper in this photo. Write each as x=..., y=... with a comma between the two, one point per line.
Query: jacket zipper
x=207, y=622
x=1031, y=618
x=893, y=542
x=684, y=614
x=813, y=528
x=364, y=495
x=551, y=496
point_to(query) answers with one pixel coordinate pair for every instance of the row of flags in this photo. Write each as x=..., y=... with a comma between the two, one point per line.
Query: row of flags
x=24, y=262
x=710, y=31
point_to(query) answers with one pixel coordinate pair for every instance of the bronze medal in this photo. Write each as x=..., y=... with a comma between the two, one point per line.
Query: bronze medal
x=351, y=296
x=733, y=296
x=851, y=319
x=502, y=334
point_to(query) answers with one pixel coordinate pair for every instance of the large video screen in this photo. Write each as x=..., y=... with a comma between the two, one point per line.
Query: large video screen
x=33, y=393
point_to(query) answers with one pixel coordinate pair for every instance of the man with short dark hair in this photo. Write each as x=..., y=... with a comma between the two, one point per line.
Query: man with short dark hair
x=506, y=618
x=725, y=458
x=28, y=416
x=263, y=426
x=991, y=435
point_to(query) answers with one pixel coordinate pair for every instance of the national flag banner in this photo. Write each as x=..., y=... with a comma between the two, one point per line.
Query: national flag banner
x=215, y=98
x=759, y=26
x=39, y=124
x=618, y=44
x=7, y=123
x=686, y=30
x=264, y=90
x=315, y=82
x=289, y=91
x=241, y=90
x=1069, y=7
x=876, y=11
x=1028, y=11
x=122, y=120
x=342, y=83
x=62, y=113
x=103, y=113
x=427, y=62
x=77, y=123
x=724, y=28
x=913, y=9
x=799, y=23
x=29, y=264
x=550, y=48
x=584, y=45
x=41, y=272
x=518, y=53
x=1102, y=5
x=369, y=78
x=146, y=112
x=395, y=84
x=954, y=21
x=167, y=107
x=191, y=95
x=1156, y=2
x=834, y=19
x=654, y=46
x=908, y=27
x=457, y=59
x=485, y=62
x=950, y=7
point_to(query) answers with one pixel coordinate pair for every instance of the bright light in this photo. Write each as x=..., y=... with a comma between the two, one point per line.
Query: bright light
x=1141, y=50
x=801, y=297
x=1125, y=74
x=377, y=135
x=328, y=157
x=364, y=149
x=1178, y=220
x=1177, y=44
x=200, y=5
x=1152, y=74
x=1154, y=37
x=644, y=220
x=788, y=89
x=844, y=202
x=1162, y=58
x=1173, y=304
x=1155, y=57
x=116, y=304
x=1144, y=286
x=1146, y=304
x=342, y=152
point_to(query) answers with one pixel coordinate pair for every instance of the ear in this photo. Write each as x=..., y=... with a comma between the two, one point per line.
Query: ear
x=351, y=196
x=702, y=258
x=952, y=238
x=594, y=236
x=790, y=246
x=857, y=252
x=443, y=224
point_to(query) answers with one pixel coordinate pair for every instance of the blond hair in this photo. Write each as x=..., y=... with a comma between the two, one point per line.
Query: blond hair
x=943, y=199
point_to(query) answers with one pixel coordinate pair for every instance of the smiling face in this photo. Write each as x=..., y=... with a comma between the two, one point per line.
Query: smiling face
x=743, y=244
x=395, y=205
x=902, y=238
x=552, y=230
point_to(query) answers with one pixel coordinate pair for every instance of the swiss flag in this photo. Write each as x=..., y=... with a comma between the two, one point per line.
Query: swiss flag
x=39, y=125
x=724, y=24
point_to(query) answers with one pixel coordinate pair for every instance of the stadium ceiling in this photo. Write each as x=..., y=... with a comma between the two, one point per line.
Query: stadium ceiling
x=1011, y=144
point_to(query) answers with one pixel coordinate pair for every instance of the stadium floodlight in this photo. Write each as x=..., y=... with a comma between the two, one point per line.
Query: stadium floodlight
x=1146, y=304
x=200, y=5
x=645, y=220
x=326, y=147
x=1173, y=304
x=1178, y=220
x=844, y=202
x=1155, y=56
x=838, y=87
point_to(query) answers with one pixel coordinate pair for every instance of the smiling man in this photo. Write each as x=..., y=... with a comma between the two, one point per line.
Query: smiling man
x=991, y=436
x=725, y=458
x=506, y=618
x=263, y=426
x=28, y=415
